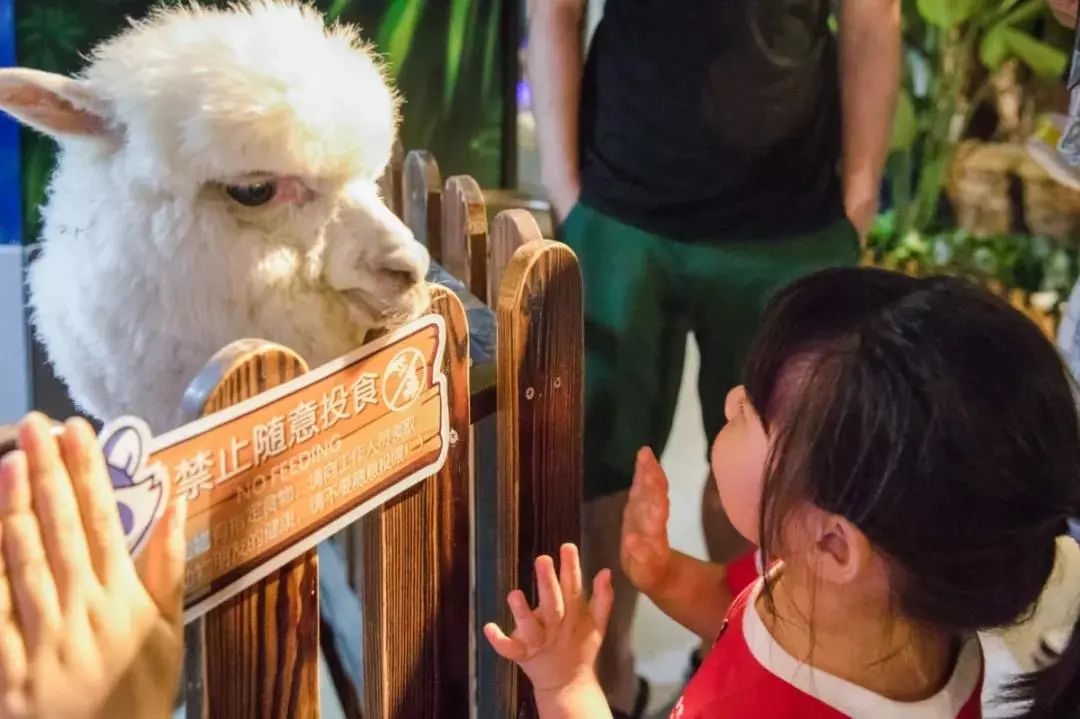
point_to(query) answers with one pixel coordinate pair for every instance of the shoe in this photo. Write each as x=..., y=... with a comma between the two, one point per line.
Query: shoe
x=640, y=704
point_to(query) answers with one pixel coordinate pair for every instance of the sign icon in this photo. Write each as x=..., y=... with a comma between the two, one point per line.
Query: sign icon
x=403, y=379
x=141, y=490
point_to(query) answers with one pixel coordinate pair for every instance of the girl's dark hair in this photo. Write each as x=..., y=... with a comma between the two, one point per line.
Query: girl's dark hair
x=941, y=422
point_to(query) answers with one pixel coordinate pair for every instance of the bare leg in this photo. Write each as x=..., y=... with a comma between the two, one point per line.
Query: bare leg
x=722, y=541
x=602, y=524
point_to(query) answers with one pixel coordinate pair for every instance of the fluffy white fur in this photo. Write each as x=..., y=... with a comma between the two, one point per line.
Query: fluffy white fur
x=148, y=266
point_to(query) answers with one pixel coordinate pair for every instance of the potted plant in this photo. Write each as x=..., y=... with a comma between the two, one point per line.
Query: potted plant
x=961, y=59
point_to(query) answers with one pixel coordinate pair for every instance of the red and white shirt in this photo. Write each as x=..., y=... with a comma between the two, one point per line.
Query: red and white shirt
x=748, y=675
x=743, y=572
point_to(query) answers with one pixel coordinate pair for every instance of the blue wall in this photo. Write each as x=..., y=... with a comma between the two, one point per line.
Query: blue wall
x=10, y=185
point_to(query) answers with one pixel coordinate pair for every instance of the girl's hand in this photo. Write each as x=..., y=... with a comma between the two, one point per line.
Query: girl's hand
x=556, y=643
x=83, y=632
x=645, y=553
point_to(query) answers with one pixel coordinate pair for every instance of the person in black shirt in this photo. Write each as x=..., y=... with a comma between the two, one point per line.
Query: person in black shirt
x=706, y=154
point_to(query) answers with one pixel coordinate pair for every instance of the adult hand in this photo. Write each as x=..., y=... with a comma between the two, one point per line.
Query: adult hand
x=645, y=552
x=563, y=197
x=1065, y=11
x=861, y=213
x=84, y=633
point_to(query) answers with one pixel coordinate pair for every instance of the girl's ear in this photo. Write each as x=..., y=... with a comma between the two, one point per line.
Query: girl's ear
x=844, y=552
x=59, y=106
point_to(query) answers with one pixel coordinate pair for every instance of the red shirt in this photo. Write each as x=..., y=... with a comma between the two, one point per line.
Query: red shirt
x=743, y=572
x=748, y=675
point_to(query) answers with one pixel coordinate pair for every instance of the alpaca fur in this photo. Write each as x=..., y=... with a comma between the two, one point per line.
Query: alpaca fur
x=148, y=266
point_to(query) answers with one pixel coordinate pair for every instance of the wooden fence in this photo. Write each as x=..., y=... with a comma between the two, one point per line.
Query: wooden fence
x=434, y=562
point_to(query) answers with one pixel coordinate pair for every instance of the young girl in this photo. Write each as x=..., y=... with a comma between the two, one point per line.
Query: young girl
x=905, y=452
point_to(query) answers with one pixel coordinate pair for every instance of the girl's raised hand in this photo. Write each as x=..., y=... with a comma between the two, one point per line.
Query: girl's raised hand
x=556, y=643
x=83, y=632
x=645, y=552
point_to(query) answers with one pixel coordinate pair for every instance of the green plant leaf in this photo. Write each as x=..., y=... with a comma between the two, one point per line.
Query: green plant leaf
x=948, y=13
x=1045, y=60
x=455, y=45
x=993, y=49
x=491, y=46
x=905, y=125
x=397, y=30
x=335, y=10
x=1025, y=12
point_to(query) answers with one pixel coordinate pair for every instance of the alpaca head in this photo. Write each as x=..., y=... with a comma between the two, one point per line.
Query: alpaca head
x=242, y=148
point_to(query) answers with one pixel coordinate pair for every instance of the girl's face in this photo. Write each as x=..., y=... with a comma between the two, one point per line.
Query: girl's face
x=738, y=461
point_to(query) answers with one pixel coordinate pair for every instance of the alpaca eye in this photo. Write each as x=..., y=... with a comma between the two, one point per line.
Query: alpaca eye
x=253, y=195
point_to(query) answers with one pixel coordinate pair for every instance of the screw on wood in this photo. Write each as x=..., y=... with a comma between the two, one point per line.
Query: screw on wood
x=530, y=393
x=558, y=382
x=453, y=437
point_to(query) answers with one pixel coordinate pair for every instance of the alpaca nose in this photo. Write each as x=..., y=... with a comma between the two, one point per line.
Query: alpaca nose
x=408, y=266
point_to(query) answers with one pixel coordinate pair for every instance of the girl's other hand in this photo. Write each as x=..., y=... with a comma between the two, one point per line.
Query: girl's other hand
x=556, y=643
x=83, y=632
x=645, y=553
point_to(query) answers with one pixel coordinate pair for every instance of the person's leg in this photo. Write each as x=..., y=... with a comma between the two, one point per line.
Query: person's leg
x=601, y=529
x=634, y=342
x=750, y=273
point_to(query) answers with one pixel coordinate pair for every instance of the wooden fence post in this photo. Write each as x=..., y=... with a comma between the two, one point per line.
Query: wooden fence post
x=422, y=191
x=465, y=234
x=510, y=230
x=257, y=654
x=540, y=385
x=390, y=182
x=416, y=563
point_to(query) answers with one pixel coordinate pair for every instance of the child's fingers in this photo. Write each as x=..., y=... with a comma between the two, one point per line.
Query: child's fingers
x=652, y=473
x=551, y=601
x=506, y=647
x=602, y=599
x=656, y=515
x=161, y=566
x=637, y=485
x=54, y=504
x=37, y=607
x=570, y=576
x=527, y=628
x=97, y=503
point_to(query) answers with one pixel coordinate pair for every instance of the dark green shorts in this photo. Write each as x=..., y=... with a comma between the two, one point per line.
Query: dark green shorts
x=643, y=294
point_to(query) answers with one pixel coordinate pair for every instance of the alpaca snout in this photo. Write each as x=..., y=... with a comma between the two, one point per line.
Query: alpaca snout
x=406, y=266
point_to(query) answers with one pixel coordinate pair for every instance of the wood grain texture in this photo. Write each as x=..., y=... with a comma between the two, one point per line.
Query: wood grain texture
x=509, y=230
x=465, y=234
x=416, y=585
x=422, y=191
x=540, y=389
x=259, y=650
x=390, y=182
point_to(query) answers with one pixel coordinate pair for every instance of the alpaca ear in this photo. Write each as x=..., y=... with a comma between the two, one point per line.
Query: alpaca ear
x=54, y=104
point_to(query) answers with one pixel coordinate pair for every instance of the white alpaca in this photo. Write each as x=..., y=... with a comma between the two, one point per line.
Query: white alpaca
x=216, y=181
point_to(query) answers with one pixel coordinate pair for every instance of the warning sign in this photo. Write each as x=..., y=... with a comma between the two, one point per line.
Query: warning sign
x=267, y=479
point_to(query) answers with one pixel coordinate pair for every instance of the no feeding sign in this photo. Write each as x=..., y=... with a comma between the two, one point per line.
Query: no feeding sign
x=269, y=478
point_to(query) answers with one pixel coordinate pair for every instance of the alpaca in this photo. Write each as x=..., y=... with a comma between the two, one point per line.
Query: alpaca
x=216, y=180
